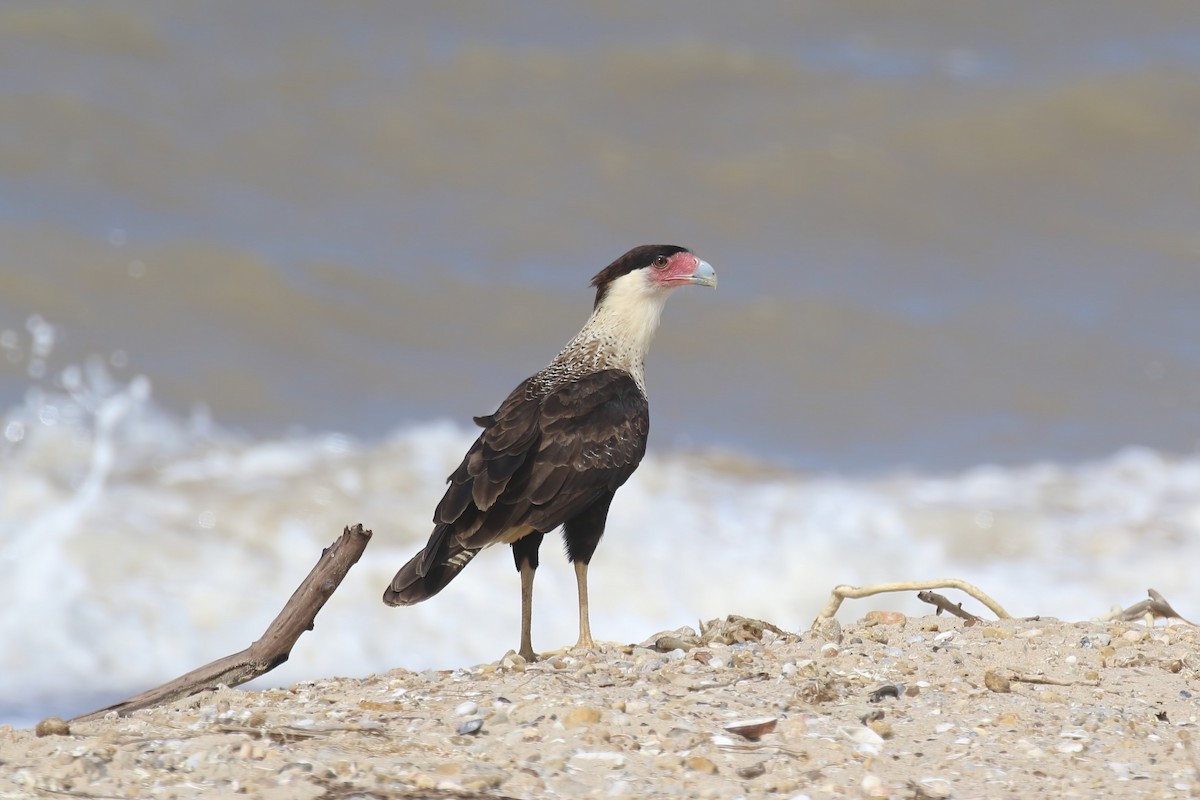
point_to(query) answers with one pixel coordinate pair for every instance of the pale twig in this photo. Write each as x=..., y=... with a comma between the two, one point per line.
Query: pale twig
x=845, y=592
x=1156, y=607
x=1042, y=680
x=935, y=599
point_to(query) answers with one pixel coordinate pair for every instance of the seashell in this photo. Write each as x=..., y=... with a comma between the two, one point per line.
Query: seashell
x=752, y=728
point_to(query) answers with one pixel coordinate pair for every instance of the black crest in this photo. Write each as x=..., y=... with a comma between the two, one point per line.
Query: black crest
x=638, y=257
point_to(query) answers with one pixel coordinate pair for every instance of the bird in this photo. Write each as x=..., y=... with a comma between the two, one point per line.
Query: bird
x=560, y=445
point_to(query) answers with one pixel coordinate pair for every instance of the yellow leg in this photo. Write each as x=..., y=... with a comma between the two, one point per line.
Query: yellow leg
x=526, y=650
x=585, y=629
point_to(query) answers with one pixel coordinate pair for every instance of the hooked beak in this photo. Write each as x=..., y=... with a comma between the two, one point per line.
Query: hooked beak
x=704, y=275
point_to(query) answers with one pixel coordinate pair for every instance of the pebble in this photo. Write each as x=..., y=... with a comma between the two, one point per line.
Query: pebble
x=864, y=735
x=513, y=662
x=872, y=786
x=470, y=727
x=581, y=715
x=881, y=727
x=884, y=618
x=603, y=758
x=996, y=682
x=649, y=734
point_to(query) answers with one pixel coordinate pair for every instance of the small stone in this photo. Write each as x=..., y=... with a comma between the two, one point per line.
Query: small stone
x=828, y=629
x=513, y=662
x=470, y=727
x=933, y=788
x=887, y=690
x=700, y=764
x=865, y=735
x=604, y=759
x=424, y=781
x=667, y=761
x=665, y=644
x=996, y=682
x=882, y=727
x=752, y=771
x=872, y=786
x=53, y=726
x=466, y=709
x=829, y=649
x=996, y=633
x=581, y=715
x=884, y=618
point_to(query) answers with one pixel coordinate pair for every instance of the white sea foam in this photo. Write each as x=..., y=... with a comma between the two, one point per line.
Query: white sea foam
x=135, y=546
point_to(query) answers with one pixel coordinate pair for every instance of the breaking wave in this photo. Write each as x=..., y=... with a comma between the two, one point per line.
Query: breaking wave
x=136, y=545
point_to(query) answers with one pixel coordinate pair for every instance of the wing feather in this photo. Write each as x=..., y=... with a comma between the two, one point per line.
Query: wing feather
x=541, y=460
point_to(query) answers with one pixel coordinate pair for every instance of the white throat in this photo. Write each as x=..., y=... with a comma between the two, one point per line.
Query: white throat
x=619, y=332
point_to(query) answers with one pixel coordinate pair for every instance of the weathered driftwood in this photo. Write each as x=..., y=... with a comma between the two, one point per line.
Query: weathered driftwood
x=277, y=641
x=1156, y=607
x=955, y=609
x=844, y=592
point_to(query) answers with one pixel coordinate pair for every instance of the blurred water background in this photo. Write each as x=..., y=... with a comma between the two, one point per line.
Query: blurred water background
x=260, y=262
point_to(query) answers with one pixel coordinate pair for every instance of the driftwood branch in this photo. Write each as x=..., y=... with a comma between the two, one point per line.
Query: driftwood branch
x=1156, y=607
x=956, y=609
x=845, y=592
x=276, y=643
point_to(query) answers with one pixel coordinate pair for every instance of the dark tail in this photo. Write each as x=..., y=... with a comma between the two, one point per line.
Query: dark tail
x=426, y=573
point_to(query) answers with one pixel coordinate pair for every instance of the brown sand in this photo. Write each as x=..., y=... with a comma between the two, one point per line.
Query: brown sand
x=918, y=708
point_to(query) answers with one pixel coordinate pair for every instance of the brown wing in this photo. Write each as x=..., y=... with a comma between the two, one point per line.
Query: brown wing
x=540, y=461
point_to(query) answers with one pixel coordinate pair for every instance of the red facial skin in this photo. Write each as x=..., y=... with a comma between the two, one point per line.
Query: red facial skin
x=677, y=269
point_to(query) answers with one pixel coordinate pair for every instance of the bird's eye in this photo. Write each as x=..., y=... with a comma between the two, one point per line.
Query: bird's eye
x=660, y=262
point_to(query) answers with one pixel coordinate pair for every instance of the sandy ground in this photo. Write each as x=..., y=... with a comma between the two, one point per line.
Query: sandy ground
x=886, y=707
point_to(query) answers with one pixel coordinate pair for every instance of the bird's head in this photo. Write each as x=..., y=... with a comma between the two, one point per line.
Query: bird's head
x=652, y=269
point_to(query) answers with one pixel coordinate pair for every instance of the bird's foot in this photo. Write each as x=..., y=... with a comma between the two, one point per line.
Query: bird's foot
x=589, y=645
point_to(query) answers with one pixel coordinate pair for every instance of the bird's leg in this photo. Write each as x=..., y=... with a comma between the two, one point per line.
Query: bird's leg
x=525, y=556
x=585, y=629
x=526, y=650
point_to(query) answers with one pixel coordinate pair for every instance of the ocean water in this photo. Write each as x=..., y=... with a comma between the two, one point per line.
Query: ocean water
x=260, y=264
